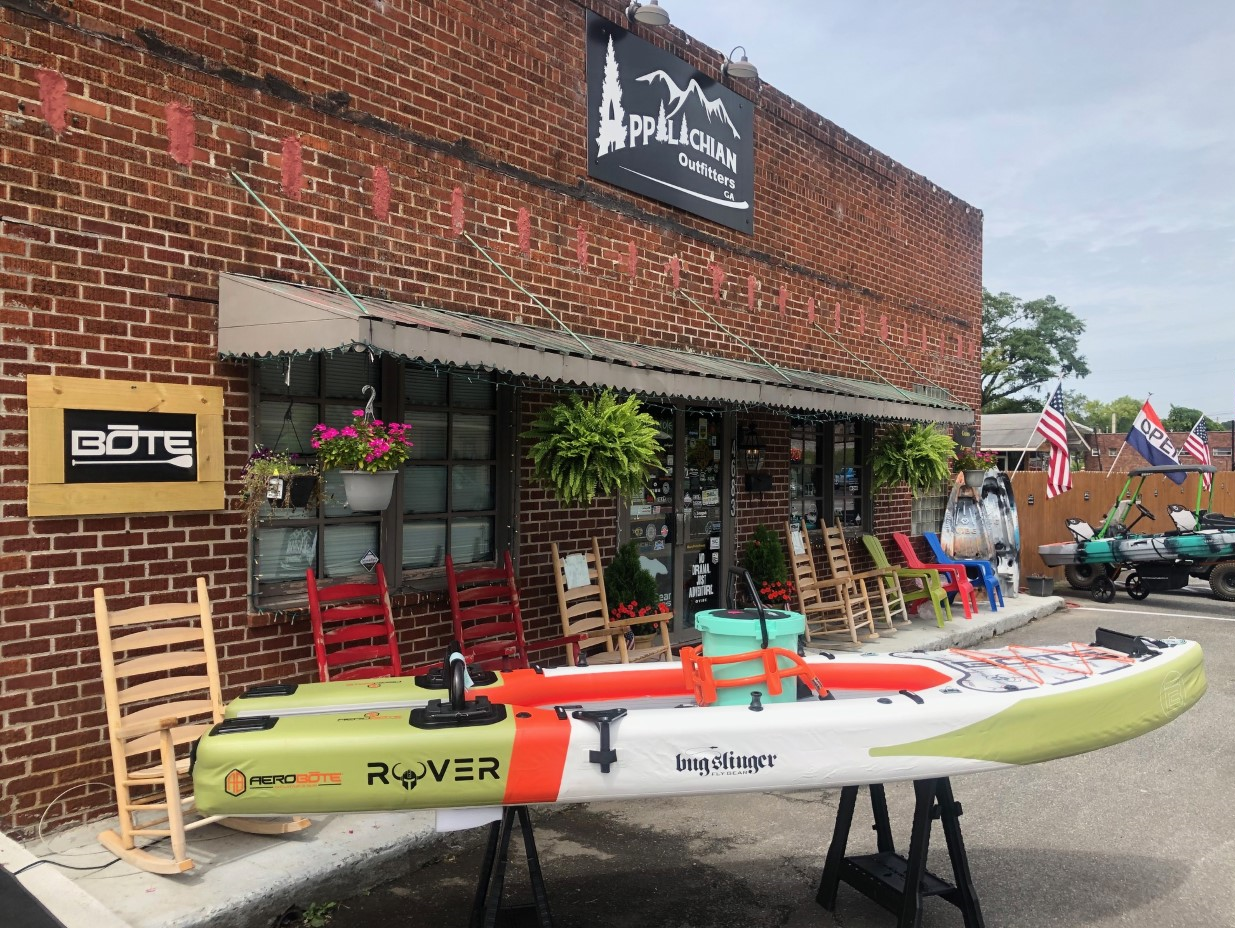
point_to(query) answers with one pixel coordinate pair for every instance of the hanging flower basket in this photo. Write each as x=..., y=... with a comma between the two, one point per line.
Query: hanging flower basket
x=974, y=478
x=368, y=491
x=279, y=480
x=368, y=454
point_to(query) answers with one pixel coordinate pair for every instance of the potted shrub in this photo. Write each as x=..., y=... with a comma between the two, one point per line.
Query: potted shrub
x=367, y=453
x=277, y=478
x=585, y=447
x=765, y=559
x=914, y=455
x=630, y=589
x=973, y=465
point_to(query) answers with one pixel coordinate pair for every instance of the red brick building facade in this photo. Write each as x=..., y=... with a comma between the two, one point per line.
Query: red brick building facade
x=435, y=156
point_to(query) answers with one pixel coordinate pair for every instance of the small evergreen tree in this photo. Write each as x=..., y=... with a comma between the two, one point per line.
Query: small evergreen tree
x=630, y=588
x=765, y=559
x=628, y=581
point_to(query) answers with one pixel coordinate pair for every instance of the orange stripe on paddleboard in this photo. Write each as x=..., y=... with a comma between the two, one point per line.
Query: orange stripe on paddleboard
x=529, y=688
x=538, y=756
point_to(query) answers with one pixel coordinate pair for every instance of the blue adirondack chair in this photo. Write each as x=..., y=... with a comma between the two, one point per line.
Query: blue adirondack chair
x=982, y=571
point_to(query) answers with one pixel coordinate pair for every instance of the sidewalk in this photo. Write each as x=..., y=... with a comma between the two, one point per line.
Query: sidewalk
x=246, y=881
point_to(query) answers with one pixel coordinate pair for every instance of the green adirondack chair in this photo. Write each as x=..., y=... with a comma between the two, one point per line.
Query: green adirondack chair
x=932, y=586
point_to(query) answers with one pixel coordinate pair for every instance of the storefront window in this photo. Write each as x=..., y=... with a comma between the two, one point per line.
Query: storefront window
x=452, y=487
x=828, y=477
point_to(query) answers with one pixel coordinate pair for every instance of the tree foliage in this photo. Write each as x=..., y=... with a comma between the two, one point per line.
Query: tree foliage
x=1182, y=418
x=1026, y=345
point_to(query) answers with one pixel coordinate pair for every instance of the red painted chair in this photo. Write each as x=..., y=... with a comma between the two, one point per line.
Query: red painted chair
x=353, y=629
x=956, y=580
x=488, y=624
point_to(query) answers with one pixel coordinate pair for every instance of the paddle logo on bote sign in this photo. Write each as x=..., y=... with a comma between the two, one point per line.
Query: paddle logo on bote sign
x=658, y=127
x=108, y=446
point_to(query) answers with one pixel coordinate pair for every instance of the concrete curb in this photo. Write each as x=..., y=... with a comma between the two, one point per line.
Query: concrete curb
x=59, y=895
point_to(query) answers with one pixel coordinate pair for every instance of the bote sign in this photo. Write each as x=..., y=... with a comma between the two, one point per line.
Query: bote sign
x=133, y=447
x=658, y=127
x=100, y=446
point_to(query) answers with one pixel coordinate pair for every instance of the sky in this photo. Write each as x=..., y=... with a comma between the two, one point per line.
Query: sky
x=1097, y=137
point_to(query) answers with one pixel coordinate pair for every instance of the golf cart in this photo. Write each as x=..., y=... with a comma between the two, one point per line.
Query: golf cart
x=1201, y=544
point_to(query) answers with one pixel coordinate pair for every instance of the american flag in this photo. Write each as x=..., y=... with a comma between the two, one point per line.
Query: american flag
x=1052, y=427
x=1197, y=445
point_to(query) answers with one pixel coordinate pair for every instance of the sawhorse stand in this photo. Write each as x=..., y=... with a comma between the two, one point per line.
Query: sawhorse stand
x=896, y=882
x=487, y=909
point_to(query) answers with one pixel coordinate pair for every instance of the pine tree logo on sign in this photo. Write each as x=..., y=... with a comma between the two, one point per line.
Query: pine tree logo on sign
x=660, y=128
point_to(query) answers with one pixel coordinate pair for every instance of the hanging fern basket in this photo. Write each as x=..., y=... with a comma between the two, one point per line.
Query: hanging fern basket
x=582, y=447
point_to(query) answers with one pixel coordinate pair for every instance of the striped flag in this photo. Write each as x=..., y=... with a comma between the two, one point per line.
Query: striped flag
x=1052, y=427
x=1197, y=445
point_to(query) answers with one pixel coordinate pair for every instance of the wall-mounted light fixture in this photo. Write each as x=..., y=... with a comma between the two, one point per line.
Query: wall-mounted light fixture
x=650, y=13
x=751, y=452
x=739, y=68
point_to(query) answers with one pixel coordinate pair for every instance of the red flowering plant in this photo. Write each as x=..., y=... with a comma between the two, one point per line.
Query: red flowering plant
x=972, y=459
x=632, y=610
x=777, y=592
x=367, y=444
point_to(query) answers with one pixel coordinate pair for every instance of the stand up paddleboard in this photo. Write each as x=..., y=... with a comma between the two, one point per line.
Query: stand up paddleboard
x=943, y=713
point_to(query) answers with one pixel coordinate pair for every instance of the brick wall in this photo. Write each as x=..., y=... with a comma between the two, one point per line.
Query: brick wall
x=378, y=132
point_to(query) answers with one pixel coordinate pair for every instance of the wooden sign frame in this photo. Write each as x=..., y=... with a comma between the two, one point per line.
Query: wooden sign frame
x=47, y=397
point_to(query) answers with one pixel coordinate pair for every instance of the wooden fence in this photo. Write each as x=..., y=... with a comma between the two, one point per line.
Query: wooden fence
x=1042, y=519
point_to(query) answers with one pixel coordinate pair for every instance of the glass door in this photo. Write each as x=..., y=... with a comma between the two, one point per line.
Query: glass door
x=651, y=512
x=700, y=587
x=678, y=518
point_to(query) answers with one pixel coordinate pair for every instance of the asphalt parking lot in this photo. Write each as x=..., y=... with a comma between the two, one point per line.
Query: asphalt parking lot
x=1139, y=835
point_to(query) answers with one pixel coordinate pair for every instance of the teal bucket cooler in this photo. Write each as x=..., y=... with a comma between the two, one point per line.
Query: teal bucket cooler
x=738, y=631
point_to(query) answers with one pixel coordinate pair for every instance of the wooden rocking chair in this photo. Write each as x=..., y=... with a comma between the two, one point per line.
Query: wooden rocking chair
x=836, y=546
x=842, y=614
x=584, y=608
x=159, y=702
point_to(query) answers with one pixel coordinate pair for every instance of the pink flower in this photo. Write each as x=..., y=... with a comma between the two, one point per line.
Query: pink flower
x=349, y=432
x=358, y=413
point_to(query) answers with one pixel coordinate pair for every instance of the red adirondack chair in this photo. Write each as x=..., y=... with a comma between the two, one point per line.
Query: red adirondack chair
x=954, y=576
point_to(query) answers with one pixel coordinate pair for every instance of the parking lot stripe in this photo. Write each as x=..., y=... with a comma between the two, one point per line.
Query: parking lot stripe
x=1172, y=615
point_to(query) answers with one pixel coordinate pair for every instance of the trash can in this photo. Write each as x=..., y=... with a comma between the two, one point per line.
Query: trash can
x=737, y=631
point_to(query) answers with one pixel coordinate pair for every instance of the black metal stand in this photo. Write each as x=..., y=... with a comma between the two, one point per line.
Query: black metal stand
x=487, y=910
x=896, y=882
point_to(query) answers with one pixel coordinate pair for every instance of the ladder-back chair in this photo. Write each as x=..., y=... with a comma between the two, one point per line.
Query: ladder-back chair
x=161, y=687
x=584, y=609
x=840, y=614
x=353, y=629
x=486, y=618
x=836, y=548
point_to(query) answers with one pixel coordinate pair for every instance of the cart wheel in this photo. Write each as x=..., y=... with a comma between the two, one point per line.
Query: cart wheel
x=1222, y=581
x=1135, y=586
x=1080, y=576
x=1102, y=591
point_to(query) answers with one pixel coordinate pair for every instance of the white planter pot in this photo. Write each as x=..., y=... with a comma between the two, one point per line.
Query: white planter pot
x=974, y=478
x=367, y=491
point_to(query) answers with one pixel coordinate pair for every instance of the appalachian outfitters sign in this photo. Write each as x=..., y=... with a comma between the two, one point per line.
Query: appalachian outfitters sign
x=659, y=128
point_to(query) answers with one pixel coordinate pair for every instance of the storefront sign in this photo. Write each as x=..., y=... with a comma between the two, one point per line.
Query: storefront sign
x=106, y=446
x=658, y=127
x=129, y=447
